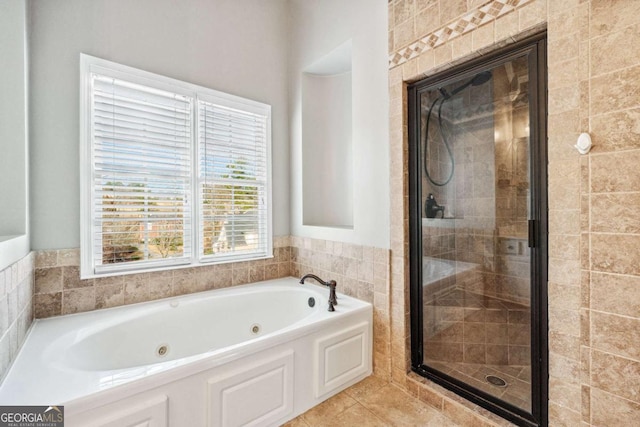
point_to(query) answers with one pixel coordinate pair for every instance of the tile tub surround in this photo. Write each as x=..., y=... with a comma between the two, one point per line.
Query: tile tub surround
x=594, y=227
x=59, y=290
x=361, y=272
x=16, y=308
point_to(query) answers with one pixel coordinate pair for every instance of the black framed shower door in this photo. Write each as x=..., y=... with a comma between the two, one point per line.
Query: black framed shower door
x=478, y=230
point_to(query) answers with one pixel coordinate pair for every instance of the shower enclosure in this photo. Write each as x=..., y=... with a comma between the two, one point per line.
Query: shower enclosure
x=478, y=231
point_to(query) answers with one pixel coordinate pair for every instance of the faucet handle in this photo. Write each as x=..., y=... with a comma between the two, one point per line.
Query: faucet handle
x=332, y=292
x=333, y=298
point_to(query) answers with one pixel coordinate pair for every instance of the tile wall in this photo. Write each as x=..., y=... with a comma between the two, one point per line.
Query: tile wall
x=59, y=290
x=594, y=273
x=361, y=272
x=487, y=204
x=594, y=200
x=16, y=309
x=481, y=330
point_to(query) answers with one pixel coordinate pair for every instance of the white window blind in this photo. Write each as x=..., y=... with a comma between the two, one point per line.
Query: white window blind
x=172, y=174
x=142, y=174
x=232, y=181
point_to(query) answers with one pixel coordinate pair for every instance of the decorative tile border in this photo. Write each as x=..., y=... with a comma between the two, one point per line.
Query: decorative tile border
x=468, y=22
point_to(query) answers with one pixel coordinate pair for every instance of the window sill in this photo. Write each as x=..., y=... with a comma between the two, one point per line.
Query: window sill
x=181, y=266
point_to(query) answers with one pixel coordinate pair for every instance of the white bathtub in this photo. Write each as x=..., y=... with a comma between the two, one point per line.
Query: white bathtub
x=249, y=355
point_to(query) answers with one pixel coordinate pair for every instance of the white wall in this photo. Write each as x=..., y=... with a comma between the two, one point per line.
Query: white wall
x=316, y=28
x=14, y=138
x=236, y=46
x=327, y=187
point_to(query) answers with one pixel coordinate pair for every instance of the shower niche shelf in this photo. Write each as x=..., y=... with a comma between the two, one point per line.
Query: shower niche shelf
x=440, y=222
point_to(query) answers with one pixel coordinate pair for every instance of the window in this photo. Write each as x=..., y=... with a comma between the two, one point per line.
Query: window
x=172, y=174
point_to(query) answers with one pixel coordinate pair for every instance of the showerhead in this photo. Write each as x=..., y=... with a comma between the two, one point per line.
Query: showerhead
x=481, y=78
x=477, y=80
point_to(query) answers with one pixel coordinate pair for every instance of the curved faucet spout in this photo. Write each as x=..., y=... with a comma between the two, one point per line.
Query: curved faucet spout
x=313, y=276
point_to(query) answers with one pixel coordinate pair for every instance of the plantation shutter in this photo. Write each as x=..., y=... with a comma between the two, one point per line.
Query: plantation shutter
x=141, y=175
x=233, y=181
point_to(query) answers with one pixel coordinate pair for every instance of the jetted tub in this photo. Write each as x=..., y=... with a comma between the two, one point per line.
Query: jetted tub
x=257, y=354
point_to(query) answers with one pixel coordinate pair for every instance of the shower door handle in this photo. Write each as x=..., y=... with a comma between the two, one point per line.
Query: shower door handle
x=532, y=233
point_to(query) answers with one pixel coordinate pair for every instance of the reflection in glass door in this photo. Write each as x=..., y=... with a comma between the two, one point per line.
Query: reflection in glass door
x=477, y=209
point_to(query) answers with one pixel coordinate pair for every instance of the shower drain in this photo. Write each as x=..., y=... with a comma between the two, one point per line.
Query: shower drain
x=255, y=329
x=497, y=381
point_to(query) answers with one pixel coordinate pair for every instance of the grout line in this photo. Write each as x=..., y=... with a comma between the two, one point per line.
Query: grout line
x=592, y=349
x=613, y=314
x=371, y=413
x=602, y=233
x=635, y=403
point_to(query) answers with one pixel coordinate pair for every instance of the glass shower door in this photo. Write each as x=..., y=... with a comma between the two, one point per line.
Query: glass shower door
x=472, y=155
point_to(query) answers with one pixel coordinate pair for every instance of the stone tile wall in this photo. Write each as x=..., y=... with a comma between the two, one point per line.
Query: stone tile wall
x=361, y=272
x=594, y=200
x=59, y=290
x=487, y=194
x=466, y=327
x=605, y=67
x=501, y=273
x=439, y=239
x=16, y=309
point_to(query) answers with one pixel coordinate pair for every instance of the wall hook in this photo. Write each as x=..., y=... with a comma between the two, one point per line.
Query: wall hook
x=584, y=143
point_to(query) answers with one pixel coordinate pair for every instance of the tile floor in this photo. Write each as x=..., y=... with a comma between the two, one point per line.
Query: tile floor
x=517, y=391
x=479, y=335
x=372, y=402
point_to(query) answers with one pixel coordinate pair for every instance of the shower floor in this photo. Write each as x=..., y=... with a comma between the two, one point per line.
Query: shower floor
x=518, y=378
x=469, y=336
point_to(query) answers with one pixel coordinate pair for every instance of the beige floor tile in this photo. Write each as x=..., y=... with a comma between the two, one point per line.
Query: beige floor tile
x=366, y=387
x=440, y=420
x=296, y=422
x=328, y=409
x=399, y=409
x=372, y=402
x=356, y=415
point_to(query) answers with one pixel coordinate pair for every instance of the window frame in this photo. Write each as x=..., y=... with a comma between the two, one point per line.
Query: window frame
x=88, y=268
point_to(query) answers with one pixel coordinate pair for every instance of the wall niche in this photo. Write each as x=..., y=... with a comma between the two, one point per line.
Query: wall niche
x=327, y=152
